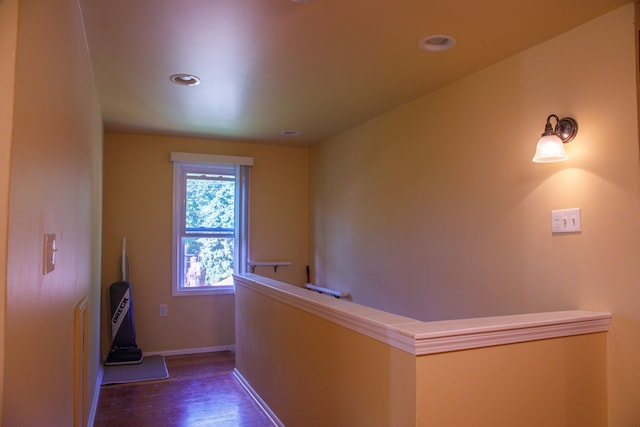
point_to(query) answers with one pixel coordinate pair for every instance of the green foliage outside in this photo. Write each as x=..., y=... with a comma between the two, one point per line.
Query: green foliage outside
x=210, y=219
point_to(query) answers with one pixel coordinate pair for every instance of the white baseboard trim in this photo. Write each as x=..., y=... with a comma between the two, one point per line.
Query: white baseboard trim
x=231, y=348
x=256, y=397
x=96, y=396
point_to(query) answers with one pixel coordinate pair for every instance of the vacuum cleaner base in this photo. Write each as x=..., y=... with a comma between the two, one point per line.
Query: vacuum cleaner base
x=124, y=356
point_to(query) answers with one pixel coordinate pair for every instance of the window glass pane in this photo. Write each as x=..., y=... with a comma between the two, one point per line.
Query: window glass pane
x=208, y=261
x=209, y=203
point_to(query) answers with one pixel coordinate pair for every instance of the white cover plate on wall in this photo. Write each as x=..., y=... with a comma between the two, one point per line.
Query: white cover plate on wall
x=566, y=221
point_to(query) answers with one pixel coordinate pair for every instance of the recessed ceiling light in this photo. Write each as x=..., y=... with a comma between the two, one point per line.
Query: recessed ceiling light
x=185, y=79
x=437, y=43
x=290, y=132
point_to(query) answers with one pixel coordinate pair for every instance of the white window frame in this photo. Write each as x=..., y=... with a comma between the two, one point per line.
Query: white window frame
x=184, y=163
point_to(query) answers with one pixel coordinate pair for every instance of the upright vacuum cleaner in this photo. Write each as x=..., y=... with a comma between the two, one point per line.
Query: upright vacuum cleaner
x=124, y=350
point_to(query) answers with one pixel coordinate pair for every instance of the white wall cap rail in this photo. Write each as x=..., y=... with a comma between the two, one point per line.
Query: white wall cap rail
x=450, y=335
x=420, y=338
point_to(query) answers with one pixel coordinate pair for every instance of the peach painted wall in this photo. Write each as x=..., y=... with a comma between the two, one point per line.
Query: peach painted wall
x=314, y=373
x=137, y=204
x=55, y=182
x=558, y=382
x=441, y=195
x=8, y=47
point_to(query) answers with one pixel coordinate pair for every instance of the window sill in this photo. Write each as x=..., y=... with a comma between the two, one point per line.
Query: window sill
x=217, y=290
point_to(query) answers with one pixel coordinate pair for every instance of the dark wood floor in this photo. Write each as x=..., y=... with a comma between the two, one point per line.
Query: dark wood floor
x=200, y=391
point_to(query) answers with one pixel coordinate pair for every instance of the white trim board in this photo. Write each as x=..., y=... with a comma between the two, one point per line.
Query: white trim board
x=256, y=397
x=179, y=352
x=211, y=158
x=96, y=396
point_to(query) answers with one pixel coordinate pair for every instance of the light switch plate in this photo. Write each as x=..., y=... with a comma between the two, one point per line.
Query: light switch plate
x=566, y=221
x=49, y=261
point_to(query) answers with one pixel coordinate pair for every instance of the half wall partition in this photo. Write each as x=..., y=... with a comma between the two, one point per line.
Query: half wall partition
x=314, y=360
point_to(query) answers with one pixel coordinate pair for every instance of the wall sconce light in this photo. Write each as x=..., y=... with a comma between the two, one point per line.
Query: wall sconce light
x=550, y=147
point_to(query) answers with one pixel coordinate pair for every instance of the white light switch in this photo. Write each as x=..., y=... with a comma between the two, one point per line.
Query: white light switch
x=565, y=221
x=49, y=260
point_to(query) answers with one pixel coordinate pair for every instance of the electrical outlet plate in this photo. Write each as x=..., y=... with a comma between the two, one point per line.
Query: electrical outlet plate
x=164, y=310
x=566, y=221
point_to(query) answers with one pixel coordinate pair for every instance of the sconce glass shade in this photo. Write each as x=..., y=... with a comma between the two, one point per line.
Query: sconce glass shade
x=550, y=148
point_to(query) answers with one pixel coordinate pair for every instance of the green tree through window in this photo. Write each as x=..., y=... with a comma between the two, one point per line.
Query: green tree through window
x=209, y=210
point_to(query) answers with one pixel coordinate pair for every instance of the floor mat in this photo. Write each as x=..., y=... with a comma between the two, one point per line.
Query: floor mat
x=151, y=368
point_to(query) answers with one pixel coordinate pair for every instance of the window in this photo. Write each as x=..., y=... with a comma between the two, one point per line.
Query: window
x=210, y=222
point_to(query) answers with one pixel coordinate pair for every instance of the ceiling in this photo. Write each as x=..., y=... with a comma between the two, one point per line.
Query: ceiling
x=316, y=66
